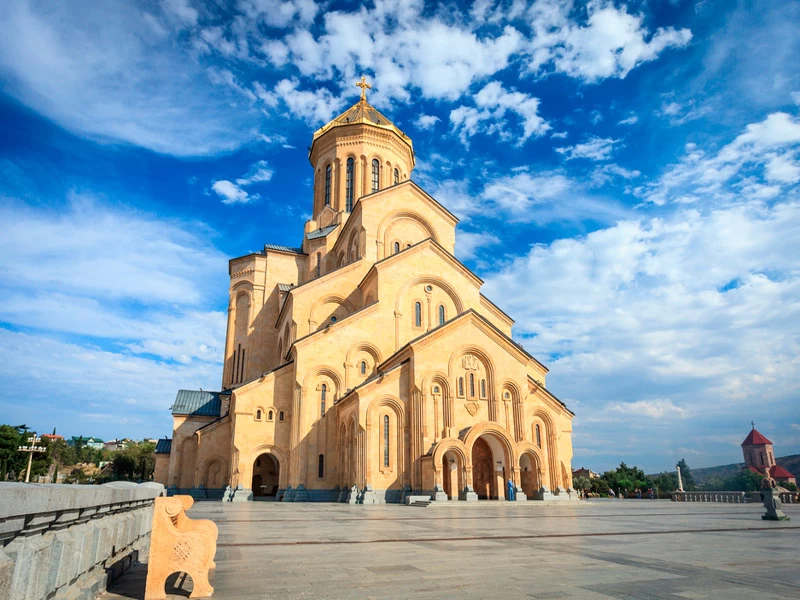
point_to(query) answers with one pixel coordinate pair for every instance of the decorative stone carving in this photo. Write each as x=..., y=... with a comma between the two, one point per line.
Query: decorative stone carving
x=470, y=362
x=772, y=502
x=178, y=543
x=472, y=408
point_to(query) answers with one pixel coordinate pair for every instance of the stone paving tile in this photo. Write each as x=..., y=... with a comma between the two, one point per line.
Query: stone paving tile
x=592, y=550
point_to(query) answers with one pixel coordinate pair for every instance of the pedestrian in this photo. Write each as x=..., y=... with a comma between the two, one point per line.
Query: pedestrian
x=511, y=490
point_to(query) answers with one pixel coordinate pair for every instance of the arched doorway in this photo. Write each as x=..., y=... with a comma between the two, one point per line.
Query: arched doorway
x=529, y=467
x=266, y=475
x=483, y=478
x=214, y=476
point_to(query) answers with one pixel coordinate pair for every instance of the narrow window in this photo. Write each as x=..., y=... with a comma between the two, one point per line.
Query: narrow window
x=385, y=440
x=396, y=247
x=235, y=364
x=258, y=415
x=323, y=394
x=269, y=416
x=436, y=389
x=461, y=387
x=441, y=314
x=483, y=388
x=418, y=314
x=349, y=185
x=472, y=385
x=280, y=416
x=538, y=436
x=376, y=172
x=396, y=176
x=363, y=367
x=321, y=466
x=328, y=185
x=319, y=263
x=241, y=367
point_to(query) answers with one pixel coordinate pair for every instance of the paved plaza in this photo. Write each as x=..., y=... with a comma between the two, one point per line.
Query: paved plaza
x=595, y=549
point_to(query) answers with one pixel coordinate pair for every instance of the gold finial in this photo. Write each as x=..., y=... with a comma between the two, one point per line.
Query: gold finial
x=364, y=87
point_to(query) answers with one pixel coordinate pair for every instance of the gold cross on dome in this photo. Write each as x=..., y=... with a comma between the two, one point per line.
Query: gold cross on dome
x=364, y=87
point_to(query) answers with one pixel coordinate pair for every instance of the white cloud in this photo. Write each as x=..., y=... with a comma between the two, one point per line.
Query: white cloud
x=468, y=242
x=258, y=173
x=594, y=148
x=231, y=193
x=766, y=145
x=426, y=122
x=632, y=120
x=654, y=409
x=314, y=107
x=108, y=73
x=611, y=43
x=281, y=14
x=679, y=114
x=795, y=97
x=181, y=9
x=492, y=105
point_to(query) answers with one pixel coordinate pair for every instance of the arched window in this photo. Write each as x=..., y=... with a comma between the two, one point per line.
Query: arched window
x=328, y=185
x=396, y=247
x=408, y=245
x=349, y=177
x=258, y=415
x=323, y=395
x=385, y=440
x=538, y=436
x=436, y=389
x=376, y=174
x=321, y=466
x=418, y=314
x=363, y=367
x=396, y=176
x=280, y=416
x=441, y=314
x=319, y=264
x=472, y=385
x=483, y=388
x=461, y=387
x=270, y=416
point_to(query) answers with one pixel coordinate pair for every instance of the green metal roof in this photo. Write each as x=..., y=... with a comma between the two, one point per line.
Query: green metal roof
x=164, y=446
x=197, y=403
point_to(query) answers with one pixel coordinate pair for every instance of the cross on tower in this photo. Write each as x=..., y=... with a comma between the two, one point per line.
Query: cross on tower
x=364, y=87
x=752, y=424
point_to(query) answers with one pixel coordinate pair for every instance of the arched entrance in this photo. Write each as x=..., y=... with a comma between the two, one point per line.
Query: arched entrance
x=483, y=477
x=266, y=475
x=529, y=467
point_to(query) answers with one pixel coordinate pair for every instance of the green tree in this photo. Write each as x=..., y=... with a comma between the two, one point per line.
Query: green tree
x=10, y=440
x=581, y=483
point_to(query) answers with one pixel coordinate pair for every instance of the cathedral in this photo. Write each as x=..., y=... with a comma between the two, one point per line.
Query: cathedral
x=366, y=366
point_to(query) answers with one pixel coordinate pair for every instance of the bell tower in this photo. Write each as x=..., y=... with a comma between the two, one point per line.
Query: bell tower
x=357, y=153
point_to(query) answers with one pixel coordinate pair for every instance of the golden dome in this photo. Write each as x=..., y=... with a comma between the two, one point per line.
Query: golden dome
x=361, y=113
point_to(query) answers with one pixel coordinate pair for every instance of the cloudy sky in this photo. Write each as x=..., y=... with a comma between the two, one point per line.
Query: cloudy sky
x=625, y=174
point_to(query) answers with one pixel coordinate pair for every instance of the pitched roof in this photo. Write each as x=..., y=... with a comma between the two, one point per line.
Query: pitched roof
x=778, y=472
x=164, y=446
x=285, y=287
x=280, y=248
x=362, y=112
x=754, y=438
x=197, y=403
x=321, y=232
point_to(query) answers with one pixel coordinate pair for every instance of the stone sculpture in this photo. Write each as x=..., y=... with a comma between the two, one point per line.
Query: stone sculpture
x=180, y=544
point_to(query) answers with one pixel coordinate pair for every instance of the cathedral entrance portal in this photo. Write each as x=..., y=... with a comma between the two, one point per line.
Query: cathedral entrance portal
x=483, y=477
x=266, y=474
x=531, y=482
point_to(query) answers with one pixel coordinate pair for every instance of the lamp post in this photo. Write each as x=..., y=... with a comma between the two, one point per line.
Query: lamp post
x=30, y=449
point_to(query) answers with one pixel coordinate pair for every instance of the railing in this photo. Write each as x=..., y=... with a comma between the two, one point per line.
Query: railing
x=730, y=497
x=70, y=540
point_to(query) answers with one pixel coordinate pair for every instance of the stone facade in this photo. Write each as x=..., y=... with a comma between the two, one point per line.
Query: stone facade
x=366, y=365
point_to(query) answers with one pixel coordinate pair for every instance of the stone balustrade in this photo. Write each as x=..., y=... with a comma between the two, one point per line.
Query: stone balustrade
x=69, y=541
x=731, y=497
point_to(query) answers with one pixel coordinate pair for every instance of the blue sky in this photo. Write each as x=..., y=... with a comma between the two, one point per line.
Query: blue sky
x=625, y=174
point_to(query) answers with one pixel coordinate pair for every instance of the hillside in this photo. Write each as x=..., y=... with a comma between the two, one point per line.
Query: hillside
x=790, y=463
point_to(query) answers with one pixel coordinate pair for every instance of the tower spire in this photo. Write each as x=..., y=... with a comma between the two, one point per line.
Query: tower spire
x=364, y=87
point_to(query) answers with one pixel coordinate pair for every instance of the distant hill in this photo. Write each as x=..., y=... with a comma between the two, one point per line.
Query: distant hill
x=790, y=463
